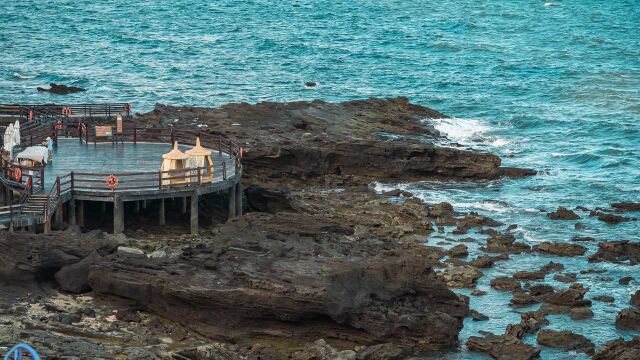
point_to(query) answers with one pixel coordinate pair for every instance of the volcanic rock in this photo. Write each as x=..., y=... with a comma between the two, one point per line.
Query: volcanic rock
x=581, y=313
x=566, y=278
x=502, y=347
x=529, y=275
x=477, y=316
x=626, y=206
x=628, y=319
x=505, y=283
x=617, y=252
x=611, y=218
x=381, y=352
x=604, y=298
x=552, y=266
x=563, y=213
x=619, y=350
x=61, y=89
x=565, y=340
x=625, y=280
x=561, y=249
x=459, y=250
x=460, y=277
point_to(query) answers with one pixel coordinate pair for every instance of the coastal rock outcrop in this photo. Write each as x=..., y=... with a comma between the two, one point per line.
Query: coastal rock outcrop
x=619, y=350
x=563, y=213
x=617, y=252
x=565, y=340
x=61, y=89
x=561, y=249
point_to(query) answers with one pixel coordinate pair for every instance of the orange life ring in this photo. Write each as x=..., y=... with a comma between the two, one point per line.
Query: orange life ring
x=17, y=174
x=128, y=107
x=241, y=151
x=59, y=125
x=112, y=181
x=30, y=115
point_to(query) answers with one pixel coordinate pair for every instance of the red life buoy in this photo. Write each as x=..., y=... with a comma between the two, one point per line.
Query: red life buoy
x=112, y=181
x=59, y=125
x=17, y=174
x=241, y=151
x=30, y=115
x=128, y=107
x=69, y=111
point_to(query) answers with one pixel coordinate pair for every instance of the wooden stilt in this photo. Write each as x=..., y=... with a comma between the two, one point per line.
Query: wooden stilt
x=232, y=202
x=238, y=189
x=118, y=215
x=81, y=212
x=161, y=219
x=194, y=213
x=73, y=221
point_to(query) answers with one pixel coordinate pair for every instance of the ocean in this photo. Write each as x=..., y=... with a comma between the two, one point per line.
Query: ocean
x=550, y=86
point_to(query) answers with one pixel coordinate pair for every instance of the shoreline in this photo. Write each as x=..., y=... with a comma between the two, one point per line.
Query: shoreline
x=318, y=256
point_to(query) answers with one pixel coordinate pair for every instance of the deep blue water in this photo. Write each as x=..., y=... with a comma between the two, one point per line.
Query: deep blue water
x=556, y=88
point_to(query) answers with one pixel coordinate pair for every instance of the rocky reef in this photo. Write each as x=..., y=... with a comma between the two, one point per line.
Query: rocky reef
x=318, y=255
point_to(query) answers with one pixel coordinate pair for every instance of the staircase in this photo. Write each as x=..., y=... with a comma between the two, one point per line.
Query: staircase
x=35, y=208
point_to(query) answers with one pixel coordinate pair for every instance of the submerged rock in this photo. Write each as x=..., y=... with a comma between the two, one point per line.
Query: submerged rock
x=565, y=340
x=581, y=313
x=626, y=206
x=628, y=319
x=505, y=283
x=477, y=316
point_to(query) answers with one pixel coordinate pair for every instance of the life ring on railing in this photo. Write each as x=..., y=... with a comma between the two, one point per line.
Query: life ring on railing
x=112, y=181
x=59, y=125
x=127, y=108
x=30, y=115
x=17, y=174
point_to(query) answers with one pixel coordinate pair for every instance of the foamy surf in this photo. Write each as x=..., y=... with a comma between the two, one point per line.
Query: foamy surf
x=467, y=131
x=21, y=76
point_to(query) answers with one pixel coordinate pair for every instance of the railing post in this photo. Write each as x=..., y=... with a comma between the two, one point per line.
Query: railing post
x=173, y=138
x=72, y=181
x=199, y=176
x=224, y=170
x=160, y=180
x=135, y=135
x=219, y=144
x=58, y=184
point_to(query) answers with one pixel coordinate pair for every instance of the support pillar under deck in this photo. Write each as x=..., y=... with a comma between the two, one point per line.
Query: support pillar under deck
x=194, y=213
x=73, y=220
x=81, y=212
x=232, y=201
x=161, y=219
x=118, y=216
x=238, y=189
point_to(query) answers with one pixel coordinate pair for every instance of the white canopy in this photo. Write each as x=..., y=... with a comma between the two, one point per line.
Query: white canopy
x=36, y=153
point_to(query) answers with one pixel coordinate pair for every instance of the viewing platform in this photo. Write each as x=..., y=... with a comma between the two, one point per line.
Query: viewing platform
x=111, y=161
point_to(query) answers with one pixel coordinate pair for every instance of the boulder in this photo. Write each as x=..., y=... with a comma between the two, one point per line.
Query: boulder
x=581, y=313
x=505, y=243
x=521, y=298
x=604, y=298
x=460, y=277
x=381, y=352
x=505, y=283
x=477, y=316
x=75, y=277
x=459, y=250
x=561, y=249
x=626, y=206
x=529, y=275
x=625, y=280
x=551, y=267
x=563, y=213
x=613, y=219
x=566, y=278
x=635, y=299
x=565, y=340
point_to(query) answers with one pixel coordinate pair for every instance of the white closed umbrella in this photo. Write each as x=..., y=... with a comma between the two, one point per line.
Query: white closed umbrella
x=16, y=133
x=8, y=139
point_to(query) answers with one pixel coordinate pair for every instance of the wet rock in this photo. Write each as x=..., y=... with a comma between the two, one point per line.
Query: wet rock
x=310, y=84
x=529, y=275
x=617, y=252
x=604, y=298
x=552, y=266
x=459, y=251
x=61, y=89
x=619, y=350
x=537, y=290
x=626, y=206
x=593, y=271
x=566, y=278
x=215, y=351
x=381, y=352
x=582, y=239
x=502, y=347
x=267, y=200
x=505, y=283
x=521, y=298
x=625, y=280
x=505, y=243
x=486, y=261
x=565, y=340
x=460, y=277
x=579, y=226
x=75, y=277
x=477, y=292
x=581, y=313
x=561, y=249
x=572, y=297
x=477, y=316
x=532, y=321
x=563, y=213
x=628, y=319
x=635, y=299
x=613, y=219
x=398, y=192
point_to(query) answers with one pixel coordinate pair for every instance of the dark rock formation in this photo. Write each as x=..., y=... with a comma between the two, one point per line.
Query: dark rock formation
x=61, y=89
x=626, y=206
x=617, y=252
x=628, y=319
x=581, y=313
x=635, y=299
x=505, y=283
x=529, y=275
x=459, y=250
x=611, y=218
x=505, y=243
x=565, y=340
x=604, y=298
x=478, y=316
x=625, y=280
x=563, y=213
x=504, y=346
x=561, y=249
x=619, y=350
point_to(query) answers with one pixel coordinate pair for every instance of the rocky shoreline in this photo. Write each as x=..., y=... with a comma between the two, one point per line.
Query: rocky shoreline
x=321, y=266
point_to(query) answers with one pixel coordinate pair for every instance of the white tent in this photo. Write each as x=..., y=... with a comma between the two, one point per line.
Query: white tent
x=16, y=133
x=38, y=154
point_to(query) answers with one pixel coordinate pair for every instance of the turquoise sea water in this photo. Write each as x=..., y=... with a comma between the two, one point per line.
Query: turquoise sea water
x=555, y=88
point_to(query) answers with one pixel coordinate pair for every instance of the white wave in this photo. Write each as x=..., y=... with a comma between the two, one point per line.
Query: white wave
x=486, y=206
x=22, y=77
x=467, y=131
